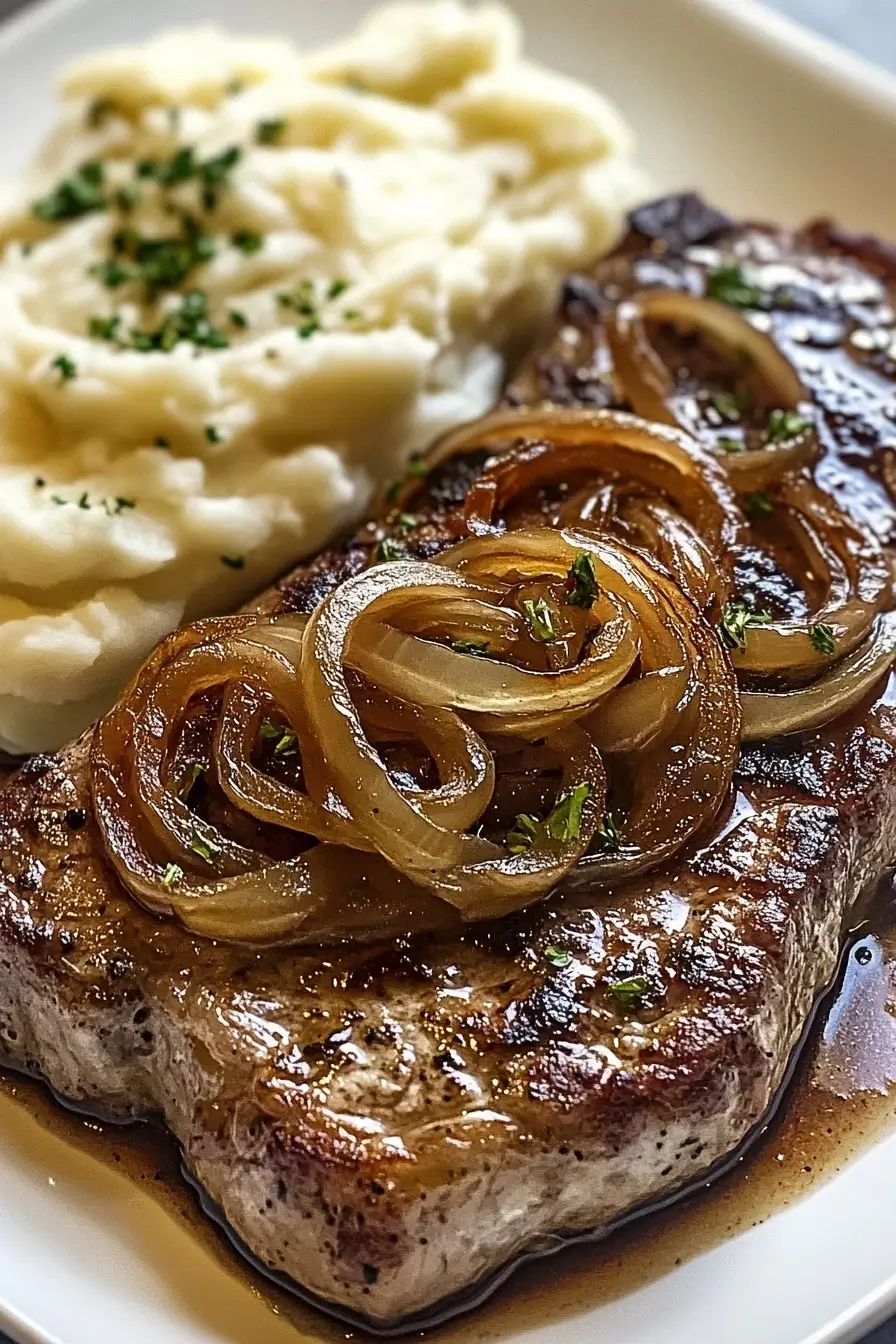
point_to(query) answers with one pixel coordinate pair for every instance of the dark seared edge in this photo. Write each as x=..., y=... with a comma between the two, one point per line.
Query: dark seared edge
x=388, y=1126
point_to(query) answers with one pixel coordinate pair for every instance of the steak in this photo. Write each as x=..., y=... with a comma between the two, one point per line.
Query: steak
x=389, y=1126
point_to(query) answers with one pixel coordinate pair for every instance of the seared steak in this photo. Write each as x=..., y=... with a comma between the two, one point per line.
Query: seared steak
x=389, y=1126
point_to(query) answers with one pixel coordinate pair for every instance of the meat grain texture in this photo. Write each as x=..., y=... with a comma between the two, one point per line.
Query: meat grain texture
x=389, y=1125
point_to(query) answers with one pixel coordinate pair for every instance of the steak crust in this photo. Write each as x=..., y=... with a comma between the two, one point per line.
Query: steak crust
x=388, y=1126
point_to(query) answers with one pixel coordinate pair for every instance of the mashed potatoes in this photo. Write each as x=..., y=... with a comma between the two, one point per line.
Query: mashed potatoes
x=238, y=286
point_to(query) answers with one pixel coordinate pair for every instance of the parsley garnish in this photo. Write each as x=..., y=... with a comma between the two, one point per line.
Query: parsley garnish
x=737, y=618
x=728, y=284
x=729, y=405
x=563, y=824
x=104, y=328
x=583, y=581
x=308, y=329
x=629, y=992
x=730, y=445
x=285, y=740
x=65, y=367
x=234, y=561
x=606, y=835
x=406, y=522
x=416, y=467
x=558, y=957
x=127, y=197
x=540, y=619
x=160, y=263
x=390, y=549
x=188, y=779
x=248, y=242
x=173, y=873
x=112, y=273
x=477, y=648
x=190, y=322
x=759, y=503
x=205, y=847
x=212, y=174
x=786, y=425
x=75, y=196
x=269, y=132
x=161, y=442
x=238, y=319
x=822, y=637
x=213, y=434
x=337, y=287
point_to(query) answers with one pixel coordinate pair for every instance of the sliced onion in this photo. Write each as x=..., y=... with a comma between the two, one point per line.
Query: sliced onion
x=771, y=714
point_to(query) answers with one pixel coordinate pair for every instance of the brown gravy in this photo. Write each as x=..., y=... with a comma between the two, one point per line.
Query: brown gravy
x=840, y=1101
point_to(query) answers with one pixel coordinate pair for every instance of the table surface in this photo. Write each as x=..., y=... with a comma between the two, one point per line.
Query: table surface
x=867, y=26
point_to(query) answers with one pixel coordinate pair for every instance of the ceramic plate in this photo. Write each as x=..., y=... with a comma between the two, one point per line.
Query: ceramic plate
x=767, y=121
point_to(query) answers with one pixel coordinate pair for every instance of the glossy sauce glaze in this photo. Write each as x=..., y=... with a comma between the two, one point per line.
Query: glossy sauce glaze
x=839, y=1101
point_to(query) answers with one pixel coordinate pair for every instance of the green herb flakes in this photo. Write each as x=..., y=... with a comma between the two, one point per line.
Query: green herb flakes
x=737, y=619
x=562, y=825
x=582, y=580
x=476, y=648
x=786, y=425
x=78, y=195
x=729, y=405
x=759, y=504
x=389, y=549
x=190, y=322
x=524, y=834
x=822, y=637
x=606, y=836
x=628, y=993
x=247, y=242
x=188, y=780
x=205, y=847
x=238, y=319
x=213, y=434
x=558, y=957
x=173, y=873
x=234, y=561
x=730, y=445
x=539, y=619
x=729, y=284
x=65, y=367
x=269, y=132
x=103, y=328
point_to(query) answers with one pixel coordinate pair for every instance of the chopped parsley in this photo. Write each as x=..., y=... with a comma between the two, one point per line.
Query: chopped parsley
x=758, y=503
x=65, y=367
x=234, y=561
x=238, y=319
x=248, y=242
x=477, y=648
x=406, y=522
x=205, y=847
x=729, y=284
x=104, y=328
x=629, y=992
x=389, y=549
x=159, y=263
x=39, y=482
x=786, y=425
x=730, y=405
x=539, y=619
x=189, y=322
x=582, y=580
x=737, y=619
x=127, y=197
x=730, y=445
x=557, y=957
x=307, y=329
x=416, y=467
x=78, y=195
x=161, y=442
x=212, y=174
x=112, y=273
x=337, y=288
x=173, y=873
x=213, y=434
x=188, y=780
x=284, y=739
x=269, y=132
x=564, y=821
x=562, y=825
x=606, y=835
x=822, y=637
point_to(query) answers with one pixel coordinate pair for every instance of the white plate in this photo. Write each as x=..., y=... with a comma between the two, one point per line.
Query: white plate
x=767, y=121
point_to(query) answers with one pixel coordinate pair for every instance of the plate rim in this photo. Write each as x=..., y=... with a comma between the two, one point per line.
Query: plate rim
x=847, y=74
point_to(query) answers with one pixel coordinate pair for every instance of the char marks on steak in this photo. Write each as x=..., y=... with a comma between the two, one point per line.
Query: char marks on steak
x=388, y=1126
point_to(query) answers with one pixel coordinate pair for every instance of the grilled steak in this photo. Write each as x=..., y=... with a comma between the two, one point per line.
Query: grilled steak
x=390, y=1125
